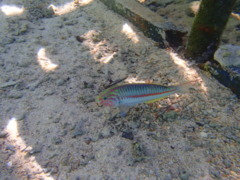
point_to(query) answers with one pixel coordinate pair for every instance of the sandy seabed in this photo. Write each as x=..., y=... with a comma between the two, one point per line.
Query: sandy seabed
x=51, y=70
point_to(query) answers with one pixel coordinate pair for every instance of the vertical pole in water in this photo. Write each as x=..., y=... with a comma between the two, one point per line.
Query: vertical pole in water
x=207, y=29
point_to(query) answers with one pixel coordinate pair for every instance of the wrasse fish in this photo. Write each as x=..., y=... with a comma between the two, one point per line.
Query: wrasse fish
x=128, y=95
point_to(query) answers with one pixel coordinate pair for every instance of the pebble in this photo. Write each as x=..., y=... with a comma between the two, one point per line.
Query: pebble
x=227, y=163
x=138, y=152
x=36, y=149
x=106, y=132
x=34, y=85
x=3, y=134
x=60, y=82
x=203, y=134
x=20, y=116
x=11, y=148
x=8, y=84
x=95, y=137
x=15, y=94
x=9, y=164
x=215, y=173
x=56, y=140
x=79, y=129
x=128, y=135
x=184, y=175
x=49, y=92
x=170, y=116
x=6, y=40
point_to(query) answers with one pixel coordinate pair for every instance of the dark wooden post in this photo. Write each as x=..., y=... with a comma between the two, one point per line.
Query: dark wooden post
x=207, y=29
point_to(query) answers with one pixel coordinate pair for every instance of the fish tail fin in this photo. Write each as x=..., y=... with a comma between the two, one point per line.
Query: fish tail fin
x=185, y=86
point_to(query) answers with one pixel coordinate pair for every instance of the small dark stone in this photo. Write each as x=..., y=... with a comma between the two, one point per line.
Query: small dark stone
x=78, y=178
x=199, y=124
x=3, y=134
x=184, y=175
x=36, y=149
x=80, y=39
x=138, y=152
x=237, y=27
x=227, y=163
x=11, y=148
x=56, y=140
x=216, y=173
x=128, y=135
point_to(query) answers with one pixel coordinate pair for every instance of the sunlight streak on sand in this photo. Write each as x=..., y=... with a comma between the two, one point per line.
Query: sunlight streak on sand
x=128, y=31
x=134, y=80
x=108, y=58
x=69, y=7
x=11, y=10
x=19, y=159
x=190, y=73
x=45, y=63
x=141, y=1
x=98, y=47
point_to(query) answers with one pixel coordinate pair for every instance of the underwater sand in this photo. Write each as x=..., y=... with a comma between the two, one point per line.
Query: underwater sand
x=51, y=70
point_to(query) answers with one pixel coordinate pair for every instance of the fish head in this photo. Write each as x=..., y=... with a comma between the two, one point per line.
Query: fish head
x=107, y=98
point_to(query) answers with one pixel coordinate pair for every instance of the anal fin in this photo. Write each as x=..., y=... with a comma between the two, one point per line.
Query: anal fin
x=154, y=100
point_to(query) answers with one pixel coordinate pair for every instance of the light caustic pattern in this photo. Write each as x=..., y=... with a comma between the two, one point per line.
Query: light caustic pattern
x=69, y=6
x=18, y=160
x=190, y=73
x=12, y=10
x=45, y=63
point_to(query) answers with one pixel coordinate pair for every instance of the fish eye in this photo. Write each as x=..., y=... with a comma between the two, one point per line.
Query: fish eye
x=104, y=98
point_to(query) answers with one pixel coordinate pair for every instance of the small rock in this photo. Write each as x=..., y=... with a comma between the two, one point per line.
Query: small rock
x=9, y=164
x=138, y=152
x=3, y=134
x=228, y=55
x=184, y=175
x=8, y=84
x=15, y=95
x=78, y=130
x=56, y=140
x=11, y=148
x=49, y=92
x=227, y=163
x=34, y=85
x=57, y=120
x=203, y=134
x=54, y=170
x=6, y=40
x=21, y=116
x=71, y=22
x=60, y=82
x=128, y=135
x=106, y=132
x=36, y=149
x=169, y=116
x=215, y=173
x=95, y=137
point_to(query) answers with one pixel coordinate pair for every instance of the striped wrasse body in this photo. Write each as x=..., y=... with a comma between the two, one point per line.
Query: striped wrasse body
x=128, y=95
